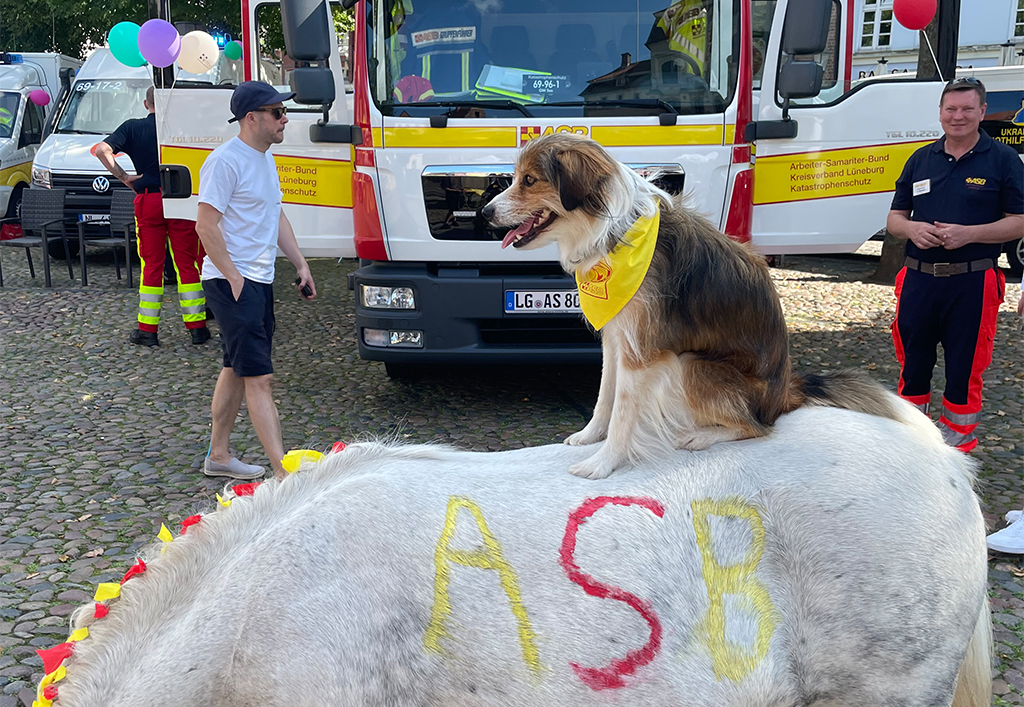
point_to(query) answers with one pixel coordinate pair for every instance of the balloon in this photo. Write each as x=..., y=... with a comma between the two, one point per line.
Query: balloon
x=159, y=42
x=123, y=39
x=39, y=97
x=914, y=14
x=233, y=51
x=199, y=52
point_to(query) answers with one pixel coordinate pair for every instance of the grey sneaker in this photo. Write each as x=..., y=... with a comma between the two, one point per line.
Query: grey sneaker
x=234, y=469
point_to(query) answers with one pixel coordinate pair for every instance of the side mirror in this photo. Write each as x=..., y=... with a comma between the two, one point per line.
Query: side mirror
x=805, y=30
x=312, y=86
x=800, y=79
x=307, y=32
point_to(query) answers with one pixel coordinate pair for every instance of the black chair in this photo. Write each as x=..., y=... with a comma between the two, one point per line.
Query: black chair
x=122, y=220
x=40, y=210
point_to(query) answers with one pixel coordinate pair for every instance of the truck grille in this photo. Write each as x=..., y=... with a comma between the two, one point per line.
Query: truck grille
x=454, y=198
x=535, y=331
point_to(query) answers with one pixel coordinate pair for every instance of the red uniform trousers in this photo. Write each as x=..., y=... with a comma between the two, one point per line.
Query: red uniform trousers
x=154, y=233
x=960, y=313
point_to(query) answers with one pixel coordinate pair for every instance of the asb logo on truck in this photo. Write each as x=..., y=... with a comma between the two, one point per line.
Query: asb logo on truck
x=532, y=132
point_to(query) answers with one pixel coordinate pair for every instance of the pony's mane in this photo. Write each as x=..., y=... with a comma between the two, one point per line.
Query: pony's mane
x=177, y=570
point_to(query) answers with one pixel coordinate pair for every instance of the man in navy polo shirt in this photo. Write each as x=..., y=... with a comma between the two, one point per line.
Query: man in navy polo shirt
x=956, y=202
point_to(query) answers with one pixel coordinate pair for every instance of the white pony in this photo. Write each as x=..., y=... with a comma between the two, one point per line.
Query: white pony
x=838, y=562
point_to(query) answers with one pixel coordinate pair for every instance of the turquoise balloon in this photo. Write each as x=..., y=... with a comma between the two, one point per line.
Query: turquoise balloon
x=124, y=44
x=233, y=51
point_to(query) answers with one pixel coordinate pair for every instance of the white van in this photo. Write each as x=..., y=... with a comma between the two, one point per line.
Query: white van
x=21, y=120
x=105, y=94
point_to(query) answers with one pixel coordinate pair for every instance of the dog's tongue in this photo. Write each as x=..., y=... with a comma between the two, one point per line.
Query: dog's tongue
x=519, y=230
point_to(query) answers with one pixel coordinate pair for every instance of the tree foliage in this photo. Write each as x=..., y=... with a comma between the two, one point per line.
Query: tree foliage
x=73, y=27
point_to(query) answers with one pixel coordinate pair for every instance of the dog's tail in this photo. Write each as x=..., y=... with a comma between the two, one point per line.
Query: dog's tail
x=853, y=390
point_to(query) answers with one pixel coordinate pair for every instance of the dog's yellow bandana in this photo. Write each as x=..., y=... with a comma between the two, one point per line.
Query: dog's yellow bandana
x=608, y=286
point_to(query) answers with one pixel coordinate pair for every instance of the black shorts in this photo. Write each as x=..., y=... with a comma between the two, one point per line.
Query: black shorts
x=246, y=326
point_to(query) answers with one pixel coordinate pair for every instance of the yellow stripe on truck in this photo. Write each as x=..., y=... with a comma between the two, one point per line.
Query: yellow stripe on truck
x=655, y=135
x=515, y=135
x=304, y=180
x=505, y=136
x=829, y=173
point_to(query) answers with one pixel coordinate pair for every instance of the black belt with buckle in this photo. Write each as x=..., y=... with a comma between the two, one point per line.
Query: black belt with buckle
x=950, y=269
x=149, y=190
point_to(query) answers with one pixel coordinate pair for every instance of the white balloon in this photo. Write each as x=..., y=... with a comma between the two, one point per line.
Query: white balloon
x=199, y=52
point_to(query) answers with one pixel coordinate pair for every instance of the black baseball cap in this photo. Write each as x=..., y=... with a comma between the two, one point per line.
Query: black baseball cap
x=253, y=95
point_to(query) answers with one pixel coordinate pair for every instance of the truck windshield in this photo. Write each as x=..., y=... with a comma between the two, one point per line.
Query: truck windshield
x=98, y=106
x=604, y=57
x=9, y=101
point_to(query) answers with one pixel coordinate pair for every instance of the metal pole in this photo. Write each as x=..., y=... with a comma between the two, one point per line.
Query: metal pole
x=161, y=9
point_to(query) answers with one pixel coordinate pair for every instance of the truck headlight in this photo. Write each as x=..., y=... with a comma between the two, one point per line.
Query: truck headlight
x=377, y=297
x=41, y=177
x=394, y=339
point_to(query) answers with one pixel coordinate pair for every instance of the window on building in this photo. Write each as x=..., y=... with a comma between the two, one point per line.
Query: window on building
x=1018, y=23
x=876, y=30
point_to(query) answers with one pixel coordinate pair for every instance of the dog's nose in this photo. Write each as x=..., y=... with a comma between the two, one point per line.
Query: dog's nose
x=487, y=212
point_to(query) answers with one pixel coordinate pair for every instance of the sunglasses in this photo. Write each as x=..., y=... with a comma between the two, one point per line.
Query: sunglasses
x=278, y=113
x=964, y=80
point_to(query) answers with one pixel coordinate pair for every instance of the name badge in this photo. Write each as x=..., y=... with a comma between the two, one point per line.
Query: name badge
x=922, y=187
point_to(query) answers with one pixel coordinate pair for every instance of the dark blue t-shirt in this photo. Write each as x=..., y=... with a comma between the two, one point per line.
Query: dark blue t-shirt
x=137, y=139
x=978, y=188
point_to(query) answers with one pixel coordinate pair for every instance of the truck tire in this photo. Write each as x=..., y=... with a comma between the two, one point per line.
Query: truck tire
x=1015, y=255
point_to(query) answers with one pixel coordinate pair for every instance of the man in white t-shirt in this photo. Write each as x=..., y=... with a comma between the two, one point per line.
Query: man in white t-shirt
x=241, y=225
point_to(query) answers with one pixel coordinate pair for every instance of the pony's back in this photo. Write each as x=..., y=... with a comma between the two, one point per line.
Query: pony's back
x=839, y=561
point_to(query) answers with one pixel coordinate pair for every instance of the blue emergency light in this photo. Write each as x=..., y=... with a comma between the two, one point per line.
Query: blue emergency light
x=9, y=58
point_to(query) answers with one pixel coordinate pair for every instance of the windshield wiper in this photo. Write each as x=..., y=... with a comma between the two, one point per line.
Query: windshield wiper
x=79, y=132
x=507, y=105
x=625, y=103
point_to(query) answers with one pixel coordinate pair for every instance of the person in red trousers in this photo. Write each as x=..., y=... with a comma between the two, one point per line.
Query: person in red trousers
x=156, y=234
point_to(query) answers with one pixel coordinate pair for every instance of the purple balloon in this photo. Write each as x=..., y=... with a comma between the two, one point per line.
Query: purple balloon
x=159, y=42
x=39, y=97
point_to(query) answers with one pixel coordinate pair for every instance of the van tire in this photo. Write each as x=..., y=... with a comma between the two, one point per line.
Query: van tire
x=1015, y=256
x=56, y=248
x=14, y=205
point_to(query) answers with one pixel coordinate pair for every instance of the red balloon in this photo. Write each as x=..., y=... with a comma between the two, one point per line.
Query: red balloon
x=914, y=14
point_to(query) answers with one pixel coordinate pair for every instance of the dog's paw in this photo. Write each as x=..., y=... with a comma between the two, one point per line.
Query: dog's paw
x=598, y=466
x=694, y=441
x=588, y=435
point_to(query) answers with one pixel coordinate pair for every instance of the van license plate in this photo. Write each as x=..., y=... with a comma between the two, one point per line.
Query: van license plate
x=544, y=301
x=94, y=218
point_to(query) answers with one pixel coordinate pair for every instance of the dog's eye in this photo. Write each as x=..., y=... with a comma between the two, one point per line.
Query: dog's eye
x=528, y=181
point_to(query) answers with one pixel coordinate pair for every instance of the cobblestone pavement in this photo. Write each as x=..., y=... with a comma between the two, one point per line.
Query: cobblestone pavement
x=100, y=441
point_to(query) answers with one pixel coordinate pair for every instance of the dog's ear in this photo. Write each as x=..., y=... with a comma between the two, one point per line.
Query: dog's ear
x=580, y=174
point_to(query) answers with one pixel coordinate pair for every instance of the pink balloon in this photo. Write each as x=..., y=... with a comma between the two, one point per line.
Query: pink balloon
x=39, y=97
x=914, y=14
x=159, y=42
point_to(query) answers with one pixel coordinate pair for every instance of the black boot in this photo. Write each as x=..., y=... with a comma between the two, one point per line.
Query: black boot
x=199, y=335
x=144, y=338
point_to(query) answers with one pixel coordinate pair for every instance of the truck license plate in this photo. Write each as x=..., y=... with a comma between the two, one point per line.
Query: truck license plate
x=545, y=301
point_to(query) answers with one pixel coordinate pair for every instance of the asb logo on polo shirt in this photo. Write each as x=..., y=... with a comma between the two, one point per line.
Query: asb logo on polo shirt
x=976, y=181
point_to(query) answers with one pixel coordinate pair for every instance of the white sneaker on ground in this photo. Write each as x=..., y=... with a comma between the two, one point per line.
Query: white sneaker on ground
x=1010, y=539
x=1013, y=516
x=234, y=469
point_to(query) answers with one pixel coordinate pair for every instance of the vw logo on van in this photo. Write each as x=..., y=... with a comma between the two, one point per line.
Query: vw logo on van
x=100, y=184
